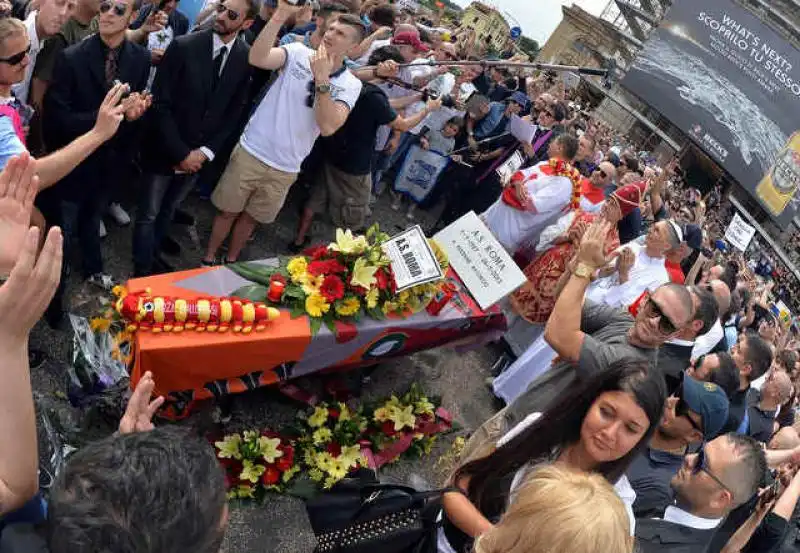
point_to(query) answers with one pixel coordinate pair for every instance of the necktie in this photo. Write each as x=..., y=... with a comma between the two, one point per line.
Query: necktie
x=218, y=63
x=111, y=66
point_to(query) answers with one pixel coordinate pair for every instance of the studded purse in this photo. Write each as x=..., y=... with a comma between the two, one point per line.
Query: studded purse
x=361, y=515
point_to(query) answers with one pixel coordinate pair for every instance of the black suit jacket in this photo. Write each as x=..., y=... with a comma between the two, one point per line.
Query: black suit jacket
x=673, y=359
x=188, y=110
x=660, y=536
x=73, y=100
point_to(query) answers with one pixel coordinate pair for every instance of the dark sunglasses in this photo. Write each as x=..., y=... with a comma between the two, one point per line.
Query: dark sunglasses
x=232, y=14
x=699, y=361
x=17, y=58
x=702, y=464
x=682, y=410
x=550, y=114
x=603, y=174
x=665, y=325
x=119, y=9
x=311, y=87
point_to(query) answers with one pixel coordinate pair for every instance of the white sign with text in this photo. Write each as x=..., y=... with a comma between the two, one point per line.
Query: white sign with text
x=481, y=262
x=739, y=233
x=413, y=260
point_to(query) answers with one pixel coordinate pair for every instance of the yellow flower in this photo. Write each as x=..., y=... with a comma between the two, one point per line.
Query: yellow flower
x=344, y=412
x=100, y=324
x=349, y=244
x=251, y=471
x=316, y=305
x=242, y=491
x=348, y=306
x=290, y=473
x=389, y=307
x=229, y=447
x=250, y=435
x=372, y=298
x=350, y=455
x=316, y=475
x=119, y=291
x=311, y=284
x=424, y=407
x=319, y=417
x=338, y=469
x=329, y=482
x=363, y=274
x=440, y=254
x=323, y=461
x=322, y=436
x=402, y=297
x=297, y=267
x=382, y=414
x=403, y=417
x=269, y=448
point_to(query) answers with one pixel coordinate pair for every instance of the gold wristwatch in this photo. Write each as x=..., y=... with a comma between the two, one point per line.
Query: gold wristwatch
x=583, y=270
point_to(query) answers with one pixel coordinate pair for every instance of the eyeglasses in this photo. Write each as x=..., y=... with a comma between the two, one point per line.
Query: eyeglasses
x=17, y=58
x=232, y=14
x=702, y=464
x=665, y=325
x=682, y=410
x=119, y=9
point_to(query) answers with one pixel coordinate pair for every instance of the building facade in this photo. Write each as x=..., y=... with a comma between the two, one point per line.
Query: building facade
x=490, y=27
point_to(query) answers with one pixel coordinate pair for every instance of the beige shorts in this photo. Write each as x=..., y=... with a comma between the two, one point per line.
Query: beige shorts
x=252, y=186
x=346, y=196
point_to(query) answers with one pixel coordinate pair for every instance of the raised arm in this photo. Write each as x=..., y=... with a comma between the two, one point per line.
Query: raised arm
x=263, y=52
x=329, y=113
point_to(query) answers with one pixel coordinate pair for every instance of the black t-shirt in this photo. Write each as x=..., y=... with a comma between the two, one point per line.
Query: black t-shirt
x=350, y=148
x=762, y=424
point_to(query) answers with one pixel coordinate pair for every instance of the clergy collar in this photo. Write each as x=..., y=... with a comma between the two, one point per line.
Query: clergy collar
x=677, y=515
x=679, y=342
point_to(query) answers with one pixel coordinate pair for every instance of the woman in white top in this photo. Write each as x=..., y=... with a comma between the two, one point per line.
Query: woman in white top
x=561, y=510
x=597, y=426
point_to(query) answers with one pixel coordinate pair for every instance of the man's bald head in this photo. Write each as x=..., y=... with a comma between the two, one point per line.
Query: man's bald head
x=722, y=294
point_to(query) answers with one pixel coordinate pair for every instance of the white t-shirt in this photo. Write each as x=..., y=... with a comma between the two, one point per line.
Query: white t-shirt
x=380, y=43
x=547, y=196
x=708, y=341
x=282, y=130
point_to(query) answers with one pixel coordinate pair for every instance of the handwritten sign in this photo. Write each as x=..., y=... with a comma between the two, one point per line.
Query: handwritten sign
x=483, y=264
x=739, y=233
x=413, y=261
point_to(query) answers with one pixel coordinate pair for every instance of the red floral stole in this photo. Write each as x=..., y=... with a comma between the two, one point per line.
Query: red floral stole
x=516, y=193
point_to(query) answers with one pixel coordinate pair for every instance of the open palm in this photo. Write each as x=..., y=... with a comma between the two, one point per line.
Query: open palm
x=18, y=187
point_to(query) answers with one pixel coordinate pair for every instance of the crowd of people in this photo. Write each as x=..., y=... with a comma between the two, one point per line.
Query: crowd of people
x=656, y=408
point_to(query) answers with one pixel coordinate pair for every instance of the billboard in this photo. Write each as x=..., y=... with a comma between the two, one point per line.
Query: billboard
x=732, y=85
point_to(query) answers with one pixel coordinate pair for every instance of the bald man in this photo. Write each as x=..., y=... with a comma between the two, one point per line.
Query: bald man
x=714, y=340
x=593, y=187
x=775, y=391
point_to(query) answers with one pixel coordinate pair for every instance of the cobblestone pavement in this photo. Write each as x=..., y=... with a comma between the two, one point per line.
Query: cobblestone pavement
x=280, y=524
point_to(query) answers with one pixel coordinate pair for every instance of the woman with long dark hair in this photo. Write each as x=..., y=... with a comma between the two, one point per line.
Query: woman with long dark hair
x=598, y=426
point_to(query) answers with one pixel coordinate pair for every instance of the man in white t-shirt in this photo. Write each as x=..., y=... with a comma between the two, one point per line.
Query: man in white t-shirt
x=313, y=95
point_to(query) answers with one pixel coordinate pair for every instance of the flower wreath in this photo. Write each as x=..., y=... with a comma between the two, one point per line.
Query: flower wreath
x=563, y=168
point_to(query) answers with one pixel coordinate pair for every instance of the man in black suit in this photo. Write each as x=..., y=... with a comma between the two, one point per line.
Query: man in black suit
x=724, y=474
x=83, y=75
x=199, y=93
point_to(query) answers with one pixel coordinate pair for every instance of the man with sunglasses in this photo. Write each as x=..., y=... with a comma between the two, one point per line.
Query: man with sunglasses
x=200, y=90
x=724, y=474
x=694, y=414
x=593, y=187
x=312, y=96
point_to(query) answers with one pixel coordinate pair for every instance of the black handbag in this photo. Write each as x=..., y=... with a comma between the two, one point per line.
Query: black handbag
x=361, y=515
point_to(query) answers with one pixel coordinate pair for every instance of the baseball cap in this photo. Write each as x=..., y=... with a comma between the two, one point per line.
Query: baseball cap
x=410, y=39
x=709, y=401
x=693, y=236
x=520, y=98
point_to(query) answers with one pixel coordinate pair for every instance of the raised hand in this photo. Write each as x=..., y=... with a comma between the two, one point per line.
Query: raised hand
x=139, y=413
x=592, y=247
x=625, y=261
x=18, y=188
x=31, y=285
x=321, y=64
x=111, y=112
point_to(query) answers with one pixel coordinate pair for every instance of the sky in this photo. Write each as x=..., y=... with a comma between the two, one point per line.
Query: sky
x=538, y=18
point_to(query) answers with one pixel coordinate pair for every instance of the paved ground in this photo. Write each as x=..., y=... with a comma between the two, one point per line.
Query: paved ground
x=280, y=524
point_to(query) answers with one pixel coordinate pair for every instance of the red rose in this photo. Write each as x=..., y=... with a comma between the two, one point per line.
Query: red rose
x=271, y=476
x=315, y=252
x=388, y=428
x=383, y=279
x=334, y=413
x=332, y=288
x=326, y=267
x=334, y=449
x=277, y=277
x=283, y=464
x=288, y=453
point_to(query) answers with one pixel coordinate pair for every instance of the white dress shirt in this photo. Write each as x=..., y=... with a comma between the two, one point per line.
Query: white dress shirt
x=22, y=88
x=708, y=341
x=679, y=516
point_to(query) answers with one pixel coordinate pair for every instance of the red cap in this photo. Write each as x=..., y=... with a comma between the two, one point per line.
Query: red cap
x=410, y=39
x=629, y=197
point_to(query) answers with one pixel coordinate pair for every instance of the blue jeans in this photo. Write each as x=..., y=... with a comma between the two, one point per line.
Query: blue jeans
x=81, y=224
x=159, y=197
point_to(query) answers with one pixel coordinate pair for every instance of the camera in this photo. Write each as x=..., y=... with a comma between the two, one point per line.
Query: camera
x=447, y=100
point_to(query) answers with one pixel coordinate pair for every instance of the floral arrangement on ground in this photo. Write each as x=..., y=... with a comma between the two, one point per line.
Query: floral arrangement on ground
x=338, y=283
x=329, y=441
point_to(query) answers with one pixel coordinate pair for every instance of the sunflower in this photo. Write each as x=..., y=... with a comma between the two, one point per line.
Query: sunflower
x=348, y=307
x=316, y=305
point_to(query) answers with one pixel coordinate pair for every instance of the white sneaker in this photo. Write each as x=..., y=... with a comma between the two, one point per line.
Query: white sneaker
x=119, y=215
x=103, y=232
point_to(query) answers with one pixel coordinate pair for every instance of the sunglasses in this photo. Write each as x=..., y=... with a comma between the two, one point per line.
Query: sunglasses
x=311, y=88
x=603, y=174
x=17, y=58
x=119, y=9
x=232, y=14
x=550, y=114
x=702, y=464
x=682, y=410
x=665, y=325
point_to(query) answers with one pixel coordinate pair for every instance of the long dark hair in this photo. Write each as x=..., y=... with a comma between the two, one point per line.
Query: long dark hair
x=560, y=426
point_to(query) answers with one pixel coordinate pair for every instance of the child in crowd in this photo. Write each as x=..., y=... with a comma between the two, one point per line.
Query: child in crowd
x=441, y=141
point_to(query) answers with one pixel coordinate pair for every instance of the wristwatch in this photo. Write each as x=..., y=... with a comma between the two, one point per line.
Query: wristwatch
x=583, y=270
x=323, y=88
